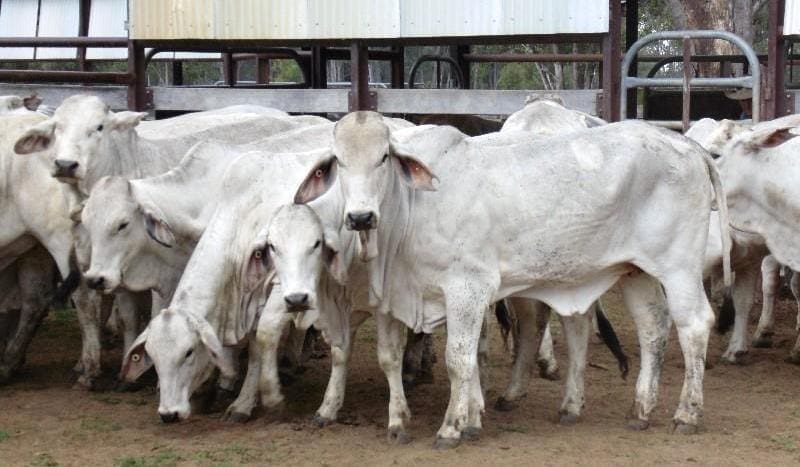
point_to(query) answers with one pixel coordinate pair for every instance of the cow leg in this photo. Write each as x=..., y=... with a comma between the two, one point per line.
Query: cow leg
x=743, y=295
x=271, y=325
x=794, y=284
x=548, y=365
x=88, y=305
x=35, y=276
x=465, y=312
x=770, y=280
x=412, y=357
x=335, y=391
x=483, y=353
x=532, y=317
x=576, y=333
x=645, y=302
x=241, y=409
x=390, y=357
x=693, y=318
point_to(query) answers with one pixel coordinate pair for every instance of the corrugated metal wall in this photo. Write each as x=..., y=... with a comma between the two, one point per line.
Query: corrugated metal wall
x=326, y=19
x=18, y=19
x=791, y=19
x=58, y=18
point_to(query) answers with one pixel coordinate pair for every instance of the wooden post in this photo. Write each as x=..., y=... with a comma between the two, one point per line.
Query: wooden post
x=775, y=95
x=611, y=63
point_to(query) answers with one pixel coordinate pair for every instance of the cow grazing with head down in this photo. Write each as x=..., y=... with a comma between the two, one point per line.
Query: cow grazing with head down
x=445, y=256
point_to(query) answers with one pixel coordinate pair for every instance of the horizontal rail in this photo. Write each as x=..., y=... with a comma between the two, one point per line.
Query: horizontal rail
x=103, y=42
x=474, y=101
x=54, y=94
x=55, y=76
x=289, y=100
x=744, y=81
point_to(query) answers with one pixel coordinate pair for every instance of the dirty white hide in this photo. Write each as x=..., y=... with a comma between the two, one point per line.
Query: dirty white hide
x=446, y=255
x=547, y=115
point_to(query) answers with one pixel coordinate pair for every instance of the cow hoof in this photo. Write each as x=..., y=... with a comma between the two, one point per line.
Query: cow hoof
x=321, y=422
x=793, y=358
x=83, y=384
x=471, y=433
x=446, y=443
x=568, y=419
x=505, y=405
x=234, y=417
x=545, y=372
x=683, y=428
x=635, y=424
x=397, y=435
x=763, y=341
x=735, y=358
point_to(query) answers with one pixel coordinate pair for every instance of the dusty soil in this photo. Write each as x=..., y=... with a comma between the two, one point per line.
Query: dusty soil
x=752, y=414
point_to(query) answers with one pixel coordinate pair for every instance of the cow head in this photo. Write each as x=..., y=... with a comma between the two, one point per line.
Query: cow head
x=121, y=229
x=366, y=164
x=298, y=251
x=10, y=103
x=184, y=350
x=79, y=131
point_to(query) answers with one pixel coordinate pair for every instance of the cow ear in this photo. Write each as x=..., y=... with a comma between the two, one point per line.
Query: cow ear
x=771, y=138
x=125, y=120
x=136, y=360
x=37, y=138
x=318, y=181
x=333, y=260
x=157, y=228
x=209, y=338
x=413, y=172
x=32, y=102
x=259, y=266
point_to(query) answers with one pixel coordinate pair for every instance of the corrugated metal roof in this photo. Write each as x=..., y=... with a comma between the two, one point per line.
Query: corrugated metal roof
x=107, y=19
x=362, y=19
x=58, y=18
x=18, y=19
x=791, y=19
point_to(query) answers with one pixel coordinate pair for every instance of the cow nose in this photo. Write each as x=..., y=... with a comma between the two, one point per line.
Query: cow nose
x=297, y=301
x=65, y=168
x=169, y=417
x=96, y=282
x=361, y=220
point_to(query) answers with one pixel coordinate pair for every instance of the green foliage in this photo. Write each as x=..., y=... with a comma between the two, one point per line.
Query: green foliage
x=4, y=435
x=44, y=459
x=99, y=425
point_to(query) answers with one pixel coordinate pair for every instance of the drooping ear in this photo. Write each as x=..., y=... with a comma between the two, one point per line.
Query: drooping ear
x=157, y=228
x=125, y=120
x=32, y=102
x=332, y=259
x=136, y=360
x=37, y=138
x=770, y=138
x=318, y=181
x=209, y=338
x=259, y=266
x=413, y=172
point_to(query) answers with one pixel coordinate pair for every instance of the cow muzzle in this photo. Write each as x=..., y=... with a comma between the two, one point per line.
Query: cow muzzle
x=96, y=283
x=169, y=417
x=296, y=302
x=65, y=169
x=361, y=221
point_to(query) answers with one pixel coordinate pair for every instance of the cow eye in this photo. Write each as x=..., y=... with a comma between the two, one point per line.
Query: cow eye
x=122, y=227
x=316, y=245
x=100, y=128
x=258, y=254
x=385, y=158
x=189, y=353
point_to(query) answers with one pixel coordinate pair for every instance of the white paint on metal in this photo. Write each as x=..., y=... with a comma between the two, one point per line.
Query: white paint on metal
x=107, y=19
x=791, y=19
x=362, y=19
x=18, y=19
x=58, y=18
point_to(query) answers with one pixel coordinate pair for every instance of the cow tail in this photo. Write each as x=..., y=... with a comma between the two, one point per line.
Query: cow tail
x=727, y=312
x=504, y=320
x=610, y=339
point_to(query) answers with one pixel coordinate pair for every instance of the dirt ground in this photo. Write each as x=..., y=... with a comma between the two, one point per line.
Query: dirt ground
x=752, y=414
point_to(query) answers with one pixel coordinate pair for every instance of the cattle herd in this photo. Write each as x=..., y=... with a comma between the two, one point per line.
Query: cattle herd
x=245, y=228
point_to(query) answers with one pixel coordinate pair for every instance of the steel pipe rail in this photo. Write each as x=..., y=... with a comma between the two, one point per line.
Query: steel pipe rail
x=520, y=58
x=753, y=81
x=102, y=42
